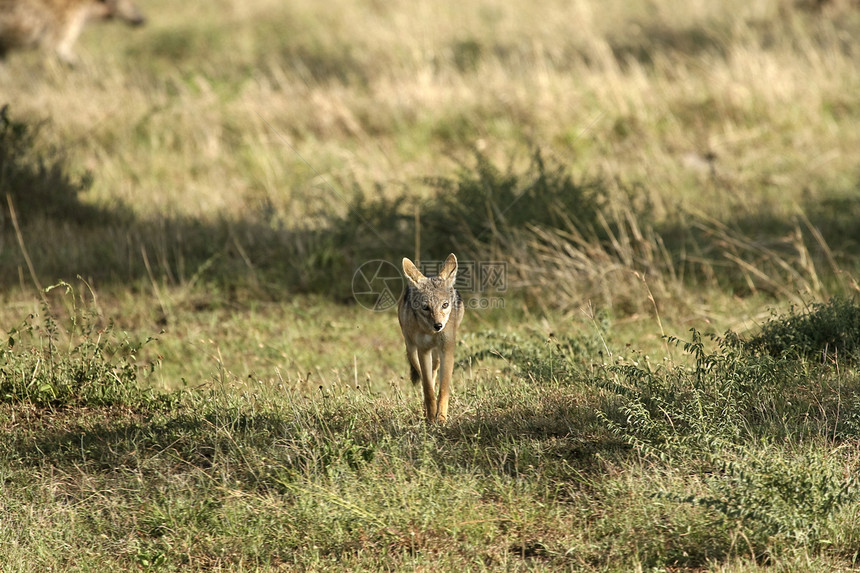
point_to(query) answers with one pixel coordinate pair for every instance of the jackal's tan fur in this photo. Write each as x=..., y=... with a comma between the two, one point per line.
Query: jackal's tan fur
x=56, y=24
x=430, y=312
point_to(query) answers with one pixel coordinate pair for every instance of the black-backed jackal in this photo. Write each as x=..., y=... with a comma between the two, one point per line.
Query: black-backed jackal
x=56, y=24
x=430, y=312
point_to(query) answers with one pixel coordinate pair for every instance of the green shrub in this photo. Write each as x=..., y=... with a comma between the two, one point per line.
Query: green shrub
x=830, y=329
x=728, y=397
x=776, y=493
x=96, y=368
x=719, y=419
x=485, y=201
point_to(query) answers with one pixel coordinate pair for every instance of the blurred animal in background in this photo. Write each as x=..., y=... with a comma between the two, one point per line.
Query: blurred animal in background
x=55, y=25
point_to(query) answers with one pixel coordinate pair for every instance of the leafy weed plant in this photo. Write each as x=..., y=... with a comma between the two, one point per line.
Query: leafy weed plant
x=727, y=397
x=780, y=497
x=755, y=427
x=44, y=365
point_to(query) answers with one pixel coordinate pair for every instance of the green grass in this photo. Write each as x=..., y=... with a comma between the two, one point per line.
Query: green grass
x=667, y=383
x=549, y=463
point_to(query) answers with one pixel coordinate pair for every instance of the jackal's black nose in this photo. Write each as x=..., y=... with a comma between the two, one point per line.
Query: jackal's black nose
x=438, y=326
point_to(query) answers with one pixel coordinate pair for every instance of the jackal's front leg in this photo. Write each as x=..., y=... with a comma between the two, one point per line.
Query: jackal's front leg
x=428, y=384
x=447, y=368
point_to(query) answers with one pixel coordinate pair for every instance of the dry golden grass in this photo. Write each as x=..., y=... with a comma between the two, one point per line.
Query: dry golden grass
x=215, y=107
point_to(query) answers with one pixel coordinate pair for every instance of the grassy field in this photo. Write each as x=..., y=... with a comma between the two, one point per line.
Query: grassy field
x=664, y=377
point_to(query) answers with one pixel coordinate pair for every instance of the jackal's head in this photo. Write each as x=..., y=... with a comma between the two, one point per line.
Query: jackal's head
x=124, y=10
x=431, y=299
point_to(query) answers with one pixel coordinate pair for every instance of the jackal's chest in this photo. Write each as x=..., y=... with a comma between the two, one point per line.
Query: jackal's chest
x=429, y=340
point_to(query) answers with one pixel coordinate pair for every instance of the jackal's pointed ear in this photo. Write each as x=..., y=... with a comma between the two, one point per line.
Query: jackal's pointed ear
x=413, y=275
x=449, y=270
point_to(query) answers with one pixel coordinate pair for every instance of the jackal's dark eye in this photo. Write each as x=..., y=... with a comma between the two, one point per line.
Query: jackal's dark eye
x=445, y=304
x=426, y=307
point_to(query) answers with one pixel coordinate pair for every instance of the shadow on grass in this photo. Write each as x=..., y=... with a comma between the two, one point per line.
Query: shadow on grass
x=66, y=238
x=479, y=212
x=648, y=43
x=161, y=441
x=265, y=448
x=662, y=40
x=37, y=182
x=556, y=439
x=813, y=252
